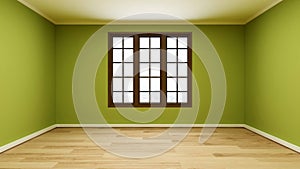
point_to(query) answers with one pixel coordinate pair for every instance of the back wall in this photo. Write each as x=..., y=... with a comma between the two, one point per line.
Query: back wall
x=228, y=41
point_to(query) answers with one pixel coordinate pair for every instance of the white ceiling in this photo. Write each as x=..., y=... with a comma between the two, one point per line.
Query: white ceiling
x=63, y=12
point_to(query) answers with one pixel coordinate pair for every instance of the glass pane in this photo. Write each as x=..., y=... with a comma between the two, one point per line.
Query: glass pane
x=155, y=97
x=117, y=55
x=182, y=42
x=155, y=84
x=171, y=55
x=128, y=42
x=155, y=42
x=182, y=69
x=117, y=42
x=171, y=42
x=155, y=55
x=182, y=97
x=128, y=97
x=128, y=84
x=144, y=55
x=144, y=69
x=117, y=97
x=144, y=84
x=182, y=84
x=117, y=69
x=144, y=97
x=155, y=69
x=128, y=55
x=182, y=55
x=128, y=69
x=171, y=84
x=171, y=69
x=171, y=97
x=117, y=84
x=144, y=42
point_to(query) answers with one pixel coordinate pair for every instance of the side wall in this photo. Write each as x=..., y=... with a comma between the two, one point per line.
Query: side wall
x=272, y=72
x=27, y=71
x=228, y=41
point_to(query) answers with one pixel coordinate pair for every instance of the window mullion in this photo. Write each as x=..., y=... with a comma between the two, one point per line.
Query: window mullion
x=163, y=72
x=149, y=69
x=123, y=60
x=177, y=100
x=136, y=85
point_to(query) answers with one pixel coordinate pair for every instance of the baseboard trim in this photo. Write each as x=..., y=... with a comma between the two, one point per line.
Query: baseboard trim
x=257, y=131
x=273, y=138
x=149, y=125
x=26, y=138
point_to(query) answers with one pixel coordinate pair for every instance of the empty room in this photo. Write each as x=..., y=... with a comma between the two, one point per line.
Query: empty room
x=195, y=84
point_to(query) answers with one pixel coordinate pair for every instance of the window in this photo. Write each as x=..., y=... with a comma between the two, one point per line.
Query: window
x=149, y=69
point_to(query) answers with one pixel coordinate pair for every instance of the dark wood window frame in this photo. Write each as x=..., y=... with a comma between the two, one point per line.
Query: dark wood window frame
x=163, y=65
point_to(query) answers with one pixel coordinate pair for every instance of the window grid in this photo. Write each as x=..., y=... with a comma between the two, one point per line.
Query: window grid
x=124, y=92
x=149, y=49
x=163, y=74
x=179, y=94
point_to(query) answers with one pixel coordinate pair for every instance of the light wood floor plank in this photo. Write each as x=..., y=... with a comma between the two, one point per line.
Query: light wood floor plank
x=228, y=148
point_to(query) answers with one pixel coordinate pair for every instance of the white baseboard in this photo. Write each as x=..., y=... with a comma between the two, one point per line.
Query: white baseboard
x=26, y=138
x=257, y=131
x=273, y=138
x=150, y=125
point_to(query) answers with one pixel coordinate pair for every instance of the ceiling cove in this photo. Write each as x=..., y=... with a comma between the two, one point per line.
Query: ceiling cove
x=100, y=12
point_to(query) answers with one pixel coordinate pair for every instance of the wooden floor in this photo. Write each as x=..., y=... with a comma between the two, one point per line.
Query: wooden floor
x=228, y=148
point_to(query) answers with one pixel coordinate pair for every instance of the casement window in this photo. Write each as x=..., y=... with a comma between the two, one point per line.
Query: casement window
x=149, y=70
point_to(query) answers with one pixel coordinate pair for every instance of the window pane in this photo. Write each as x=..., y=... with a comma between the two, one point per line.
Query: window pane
x=128, y=55
x=128, y=42
x=128, y=97
x=128, y=69
x=117, y=69
x=155, y=69
x=117, y=97
x=171, y=55
x=144, y=97
x=182, y=69
x=155, y=97
x=155, y=42
x=171, y=84
x=155, y=84
x=117, y=42
x=144, y=69
x=171, y=97
x=144, y=42
x=182, y=97
x=117, y=84
x=182, y=84
x=128, y=84
x=171, y=42
x=182, y=55
x=171, y=69
x=155, y=55
x=144, y=84
x=182, y=42
x=117, y=55
x=144, y=55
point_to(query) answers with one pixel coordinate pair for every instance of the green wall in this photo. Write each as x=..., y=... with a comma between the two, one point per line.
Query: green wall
x=272, y=72
x=27, y=71
x=69, y=41
x=228, y=41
